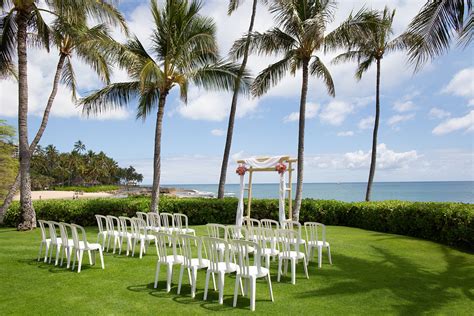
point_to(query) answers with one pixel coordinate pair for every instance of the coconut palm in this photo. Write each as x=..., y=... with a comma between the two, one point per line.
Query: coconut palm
x=436, y=26
x=367, y=50
x=184, y=51
x=70, y=34
x=299, y=34
x=233, y=5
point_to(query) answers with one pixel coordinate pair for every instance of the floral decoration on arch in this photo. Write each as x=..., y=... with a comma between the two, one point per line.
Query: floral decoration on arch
x=241, y=170
x=281, y=168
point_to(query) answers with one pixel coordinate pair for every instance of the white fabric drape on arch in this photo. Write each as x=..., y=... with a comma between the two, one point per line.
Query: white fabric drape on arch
x=268, y=163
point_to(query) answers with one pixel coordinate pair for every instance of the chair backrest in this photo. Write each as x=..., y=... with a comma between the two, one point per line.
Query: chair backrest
x=236, y=232
x=251, y=222
x=217, y=250
x=101, y=220
x=161, y=246
x=154, y=220
x=186, y=244
x=180, y=221
x=53, y=233
x=266, y=238
x=126, y=225
x=139, y=226
x=78, y=235
x=114, y=223
x=241, y=252
x=270, y=223
x=144, y=216
x=216, y=230
x=289, y=241
x=312, y=231
x=42, y=224
x=292, y=225
x=167, y=220
x=63, y=229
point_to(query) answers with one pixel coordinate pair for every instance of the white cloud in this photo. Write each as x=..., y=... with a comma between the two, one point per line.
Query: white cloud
x=311, y=112
x=336, y=112
x=471, y=102
x=436, y=113
x=403, y=106
x=462, y=84
x=396, y=119
x=456, y=123
x=366, y=123
x=345, y=134
x=218, y=132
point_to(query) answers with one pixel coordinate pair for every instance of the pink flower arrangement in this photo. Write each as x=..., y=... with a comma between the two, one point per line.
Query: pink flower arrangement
x=241, y=170
x=281, y=168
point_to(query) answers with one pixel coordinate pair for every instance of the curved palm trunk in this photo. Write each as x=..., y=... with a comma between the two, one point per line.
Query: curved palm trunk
x=14, y=188
x=27, y=211
x=373, y=160
x=233, y=108
x=299, y=181
x=155, y=191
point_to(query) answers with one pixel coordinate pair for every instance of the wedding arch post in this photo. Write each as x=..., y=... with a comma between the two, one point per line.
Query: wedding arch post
x=252, y=165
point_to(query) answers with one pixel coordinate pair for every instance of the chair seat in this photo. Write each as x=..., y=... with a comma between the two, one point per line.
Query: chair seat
x=203, y=264
x=113, y=233
x=318, y=243
x=145, y=237
x=295, y=240
x=103, y=233
x=89, y=246
x=222, y=267
x=126, y=235
x=171, y=259
x=253, y=271
x=292, y=254
x=270, y=251
x=186, y=230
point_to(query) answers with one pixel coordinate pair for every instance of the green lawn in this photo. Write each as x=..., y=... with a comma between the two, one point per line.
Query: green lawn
x=373, y=273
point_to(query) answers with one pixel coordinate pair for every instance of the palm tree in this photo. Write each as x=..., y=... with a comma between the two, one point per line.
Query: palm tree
x=233, y=5
x=79, y=147
x=24, y=22
x=299, y=35
x=185, y=50
x=435, y=27
x=367, y=50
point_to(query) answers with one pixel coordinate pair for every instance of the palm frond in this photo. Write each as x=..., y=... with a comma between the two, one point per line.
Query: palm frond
x=318, y=69
x=68, y=77
x=7, y=43
x=147, y=101
x=271, y=76
x=363, y=67
x=233, y=5
x=349, y=56
x=467, y=33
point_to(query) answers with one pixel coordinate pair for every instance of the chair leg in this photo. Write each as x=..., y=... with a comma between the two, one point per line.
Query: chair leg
x=46, y=252
x=101, y=255
x=90, y=256
x=157, y=273
x=69, y=254
x=214, y=281
x=269, y=279
x=329, y=255
x=279, y=269
x=50, y=253
x=79, y=264
x=120, y=245
x=236, y=289
x=320, y=256
x=62, y=255
x=142, y=247
x=293, y=270
x=58, y=250
x=253, y=286
x=208, y=274
x=220, y=282
x=305, y=268
x=194, y=278
x=108, y=243
x=169, y=277
x=40, y=249
x=181, y=270
x=74, y=262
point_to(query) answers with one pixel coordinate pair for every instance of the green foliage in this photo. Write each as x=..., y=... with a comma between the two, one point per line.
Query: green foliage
x=448, y=223
x=96, y=188
x=8, y=163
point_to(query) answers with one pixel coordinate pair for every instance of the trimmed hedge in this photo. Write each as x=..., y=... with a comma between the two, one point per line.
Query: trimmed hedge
x=448, y=223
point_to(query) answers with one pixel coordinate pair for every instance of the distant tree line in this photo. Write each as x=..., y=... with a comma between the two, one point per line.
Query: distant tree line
x=80, y=167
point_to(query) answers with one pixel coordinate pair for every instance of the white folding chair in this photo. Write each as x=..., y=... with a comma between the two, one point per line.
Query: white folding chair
x=268, y=242
x=113, y=232
x=219, y=262
x=167, y=222
x=55, y=240
x=146, y=218
x=103, y=229
x=141, y=234
x=164, y=258
x=67, y=244
x=181, y=224
x=289, y=251
x=217, y=231
x=270, y=223
x=247, y=270
x=251, y=223
x=235, y=232
x=154, y=221
x=192, y=264
x=126, y=232
x=79, y=238
x=45, y=241
x=312, y=237
x=295, y=225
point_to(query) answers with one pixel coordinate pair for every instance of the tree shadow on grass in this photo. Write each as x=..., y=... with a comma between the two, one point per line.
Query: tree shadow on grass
x=421, y=290
x=55, y=268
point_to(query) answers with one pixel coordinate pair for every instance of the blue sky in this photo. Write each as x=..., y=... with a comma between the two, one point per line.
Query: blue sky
x=426, y=130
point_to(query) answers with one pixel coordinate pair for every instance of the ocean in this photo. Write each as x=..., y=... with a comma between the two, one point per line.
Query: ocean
x=453, y=191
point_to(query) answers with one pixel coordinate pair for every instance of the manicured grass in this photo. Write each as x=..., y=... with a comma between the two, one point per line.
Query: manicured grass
x=92, y=189
x=373, y=273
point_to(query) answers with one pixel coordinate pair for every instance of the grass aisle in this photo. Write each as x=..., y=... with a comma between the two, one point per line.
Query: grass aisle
x=373, y=273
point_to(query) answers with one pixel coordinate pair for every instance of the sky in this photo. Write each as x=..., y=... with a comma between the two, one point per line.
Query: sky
x=425, y=134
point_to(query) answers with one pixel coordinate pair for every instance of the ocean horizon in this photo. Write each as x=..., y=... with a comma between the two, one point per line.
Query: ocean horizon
x=422, y=191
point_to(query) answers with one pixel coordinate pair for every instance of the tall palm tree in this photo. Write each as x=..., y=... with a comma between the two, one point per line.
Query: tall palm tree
x=299, y=34
x=233, y=5
x=185, y=51
x=367, y=50
x=70, y=34
x=435, y=27
x=79, y=147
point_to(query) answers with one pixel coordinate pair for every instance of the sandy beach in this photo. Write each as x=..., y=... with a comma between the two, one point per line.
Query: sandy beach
x=48, y=195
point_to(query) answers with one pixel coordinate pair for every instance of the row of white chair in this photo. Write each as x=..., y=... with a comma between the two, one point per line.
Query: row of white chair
x=64, y=245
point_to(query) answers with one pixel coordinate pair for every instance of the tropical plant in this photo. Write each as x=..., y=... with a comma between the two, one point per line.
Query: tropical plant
x=23, y=24
x=434, y=28
x=233, y=5
x=185, y=50
x=367, y=50
x=299, y=34
x=8, y=162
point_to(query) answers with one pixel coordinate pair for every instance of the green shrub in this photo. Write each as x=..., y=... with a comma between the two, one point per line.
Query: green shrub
x=96, y=188
x=448, y=223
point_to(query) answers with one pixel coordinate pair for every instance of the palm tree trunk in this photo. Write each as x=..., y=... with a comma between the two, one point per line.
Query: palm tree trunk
x=155, y=191
x=373, y=161
x=233, y=108
x=14, y=187
x=299, y=181
x=26, y=206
